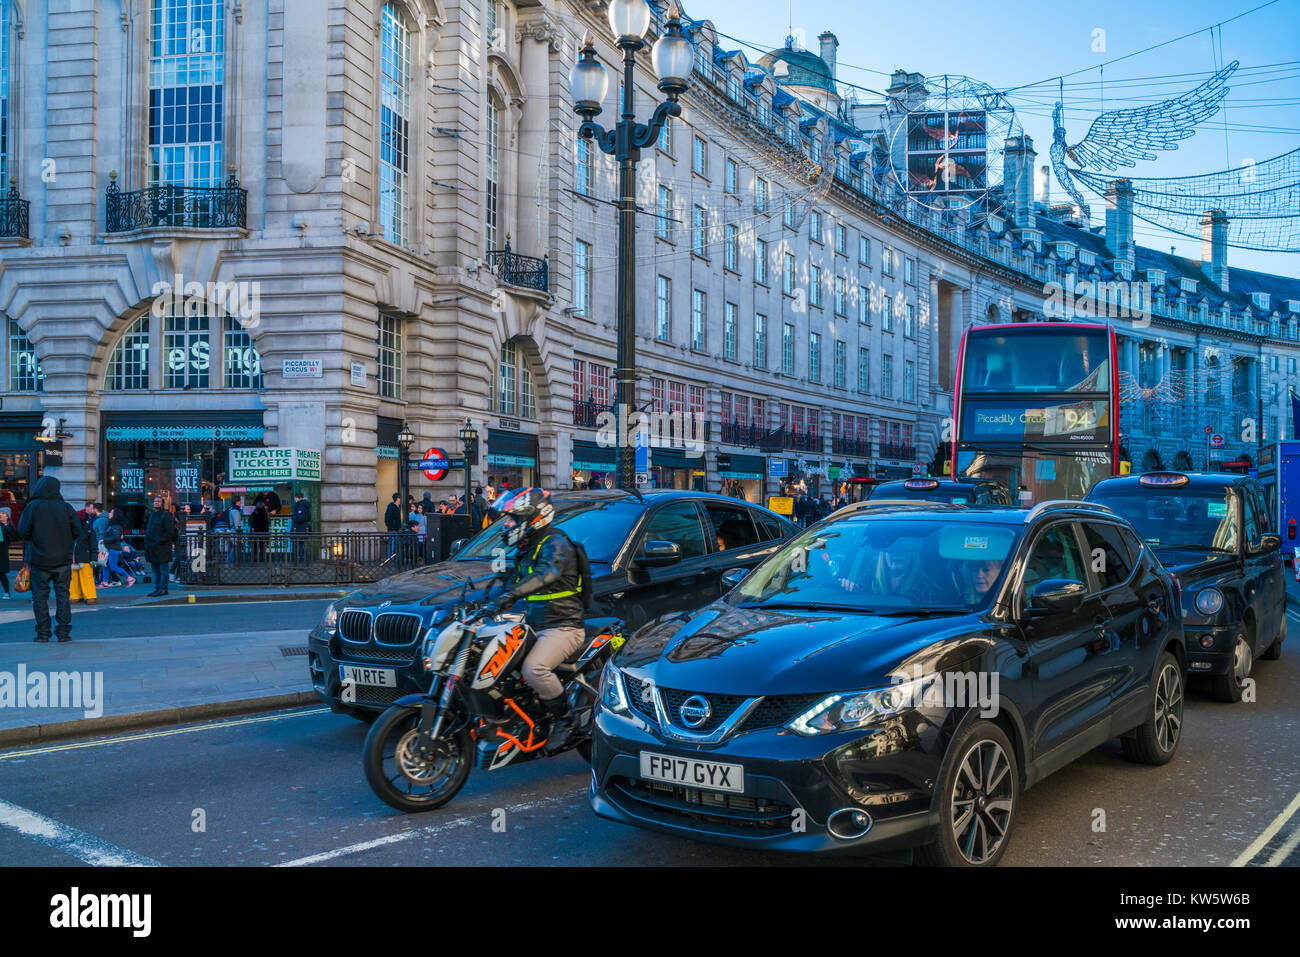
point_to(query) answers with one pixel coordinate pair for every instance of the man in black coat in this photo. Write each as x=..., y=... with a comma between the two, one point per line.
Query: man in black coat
x=300, y=524
x=159, y=537
x=51, y=528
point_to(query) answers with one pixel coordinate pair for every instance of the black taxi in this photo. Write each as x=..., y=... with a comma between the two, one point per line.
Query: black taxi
x=944, y=491
x=1211, y=530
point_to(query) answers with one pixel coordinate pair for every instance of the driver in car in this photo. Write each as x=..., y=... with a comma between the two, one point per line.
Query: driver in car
x=899, y=572
x=978, y=577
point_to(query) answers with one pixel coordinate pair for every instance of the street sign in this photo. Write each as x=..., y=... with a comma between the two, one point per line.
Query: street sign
x=435, y=464
x=1217, y=440
x=457, y=464
x=642, y=479
x=776, y=468
x=1209, y=429
x=918, y=469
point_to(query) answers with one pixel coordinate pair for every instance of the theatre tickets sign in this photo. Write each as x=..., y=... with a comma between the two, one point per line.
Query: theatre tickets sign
x=274, y=465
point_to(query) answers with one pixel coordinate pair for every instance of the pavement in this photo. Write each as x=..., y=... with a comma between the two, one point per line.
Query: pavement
x=119, y=683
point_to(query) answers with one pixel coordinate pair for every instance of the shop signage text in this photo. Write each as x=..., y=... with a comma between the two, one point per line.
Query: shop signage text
x=257, y=464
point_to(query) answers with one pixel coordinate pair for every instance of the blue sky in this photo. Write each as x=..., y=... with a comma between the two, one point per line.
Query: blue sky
x=1014, y=42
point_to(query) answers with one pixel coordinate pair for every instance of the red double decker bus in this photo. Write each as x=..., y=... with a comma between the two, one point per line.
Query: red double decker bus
x=1036, y=408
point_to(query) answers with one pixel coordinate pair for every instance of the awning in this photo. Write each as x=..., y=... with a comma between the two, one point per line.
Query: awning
x=590, y=457
x=177, y=426
x=511, y=448
x=742, y=466
x=675, y=459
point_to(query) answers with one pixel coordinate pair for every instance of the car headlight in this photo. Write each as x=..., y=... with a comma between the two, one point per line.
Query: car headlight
x=857, y=709
x=1209, y=601
x=331, y=620
x=613, y=696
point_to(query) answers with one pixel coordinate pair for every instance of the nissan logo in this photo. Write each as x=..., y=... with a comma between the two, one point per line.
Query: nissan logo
x=694, y=711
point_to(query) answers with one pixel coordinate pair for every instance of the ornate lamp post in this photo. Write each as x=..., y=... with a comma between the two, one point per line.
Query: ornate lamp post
x=405, y=439
x=672, y=57
x=469, y=442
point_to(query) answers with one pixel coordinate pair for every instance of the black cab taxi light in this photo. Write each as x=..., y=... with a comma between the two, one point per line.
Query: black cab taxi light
x=921, y=483
x=1163, y=479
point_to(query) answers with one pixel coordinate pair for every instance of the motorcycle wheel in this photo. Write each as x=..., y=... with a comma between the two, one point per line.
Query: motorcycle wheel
x=404, y=780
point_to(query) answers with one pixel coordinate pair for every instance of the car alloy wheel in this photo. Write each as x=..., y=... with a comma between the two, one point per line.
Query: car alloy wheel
x=1242, y=659
x=982, y=800
x=1168, y=707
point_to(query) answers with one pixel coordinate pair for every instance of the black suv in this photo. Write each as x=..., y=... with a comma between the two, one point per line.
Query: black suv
x=892, y=678
x=659, y=552
x=947, y=491
x=1212, y=531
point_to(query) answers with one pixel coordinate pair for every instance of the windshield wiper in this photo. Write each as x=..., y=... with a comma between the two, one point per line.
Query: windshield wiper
x=1196, y=546
x=807, y=605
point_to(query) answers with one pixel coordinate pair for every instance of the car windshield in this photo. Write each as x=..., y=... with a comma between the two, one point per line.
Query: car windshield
x=948, y=496
x=1170, y=517
x=885, y=565
x=601, y=527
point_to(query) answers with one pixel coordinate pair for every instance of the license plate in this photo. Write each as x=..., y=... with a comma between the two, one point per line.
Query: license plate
x=378, y=677
x=692, y=772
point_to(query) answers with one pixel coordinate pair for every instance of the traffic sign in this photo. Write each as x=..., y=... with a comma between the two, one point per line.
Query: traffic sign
x=1209, y=429
x=1217, y=440
x=435, y=464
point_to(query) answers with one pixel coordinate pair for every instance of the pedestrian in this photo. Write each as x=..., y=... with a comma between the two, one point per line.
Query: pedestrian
x=408, y=543
x=50, y=527
x=300, y=524
x=427, y=502
x=7, y=534
x=159, y=537
x=421, y=527
x=393, y=522
x=259, y=527
x=480, y=507
x=86, y=552
x=235, y=523
x=114, y=539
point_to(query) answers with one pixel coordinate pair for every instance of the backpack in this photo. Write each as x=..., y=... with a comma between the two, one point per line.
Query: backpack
x=584, y=568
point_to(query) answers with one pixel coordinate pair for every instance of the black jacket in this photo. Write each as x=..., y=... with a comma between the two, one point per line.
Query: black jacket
x=300, y=518
x=393, y=517
x=50, y=526
x=159, y=536
x=7, y=535
x=260, y=521
x=113, y=536
x=546, y=565
x=87, y=549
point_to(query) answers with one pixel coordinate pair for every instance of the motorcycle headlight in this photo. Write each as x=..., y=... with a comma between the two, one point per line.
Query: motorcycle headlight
x=1209, y=601
x=613, y=696
x=331, y=620
x=857, y=709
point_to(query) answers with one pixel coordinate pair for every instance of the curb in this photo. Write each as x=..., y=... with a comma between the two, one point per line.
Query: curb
x=193, y=598
x=140, y=720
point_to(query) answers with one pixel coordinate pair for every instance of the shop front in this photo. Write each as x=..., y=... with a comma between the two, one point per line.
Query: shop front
x=672, y=468
x=182, y=457
x=276, y=475
x=802, y=475
x=23, y=459
x=594, y=466
x=852, y=480
x=387, y=477
x=511, y=459
x=741, y=476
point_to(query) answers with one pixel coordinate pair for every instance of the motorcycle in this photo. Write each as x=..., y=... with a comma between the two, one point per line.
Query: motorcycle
x=478, y=713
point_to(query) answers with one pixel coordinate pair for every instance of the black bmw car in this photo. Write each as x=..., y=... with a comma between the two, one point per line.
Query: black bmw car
x=894, y=678
x=660, y=552
x=1212, y=531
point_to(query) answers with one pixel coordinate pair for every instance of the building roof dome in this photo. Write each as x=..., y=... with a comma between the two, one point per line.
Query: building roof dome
x=791, y=67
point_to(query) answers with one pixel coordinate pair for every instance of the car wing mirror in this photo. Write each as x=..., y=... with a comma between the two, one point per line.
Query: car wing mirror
x=1056, y=596
x=733, y=577
x=1268, y=543
x=658, y=554
x=457, y=545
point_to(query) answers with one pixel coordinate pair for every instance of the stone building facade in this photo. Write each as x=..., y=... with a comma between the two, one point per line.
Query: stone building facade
x=302, y=223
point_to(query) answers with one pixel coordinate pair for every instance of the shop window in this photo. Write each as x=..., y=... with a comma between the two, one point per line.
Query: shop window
x=186, y=351
x=186, y=67
x=129, y=367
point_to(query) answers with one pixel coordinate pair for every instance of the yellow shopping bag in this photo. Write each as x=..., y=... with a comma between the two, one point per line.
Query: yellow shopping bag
x=83, y=583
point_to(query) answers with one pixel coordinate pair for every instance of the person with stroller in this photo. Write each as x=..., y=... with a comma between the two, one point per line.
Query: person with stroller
x=115, y=542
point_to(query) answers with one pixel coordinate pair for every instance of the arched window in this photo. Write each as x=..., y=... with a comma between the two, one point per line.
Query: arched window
x=395, y=126
x=25, y=373
x=492, y=163
x=240, y=362
x=186, y=72
x=128, y=369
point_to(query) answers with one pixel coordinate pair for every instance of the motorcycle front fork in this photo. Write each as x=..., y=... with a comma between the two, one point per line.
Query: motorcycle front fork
x=433, y=715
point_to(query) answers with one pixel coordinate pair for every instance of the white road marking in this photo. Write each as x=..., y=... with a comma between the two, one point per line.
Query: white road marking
x=1269, y=832
x=84, y=847
x=420, y=832
x=147, y=735
x=1283, y=852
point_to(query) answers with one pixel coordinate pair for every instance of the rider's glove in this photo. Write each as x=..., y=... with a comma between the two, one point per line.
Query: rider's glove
x=503, y=601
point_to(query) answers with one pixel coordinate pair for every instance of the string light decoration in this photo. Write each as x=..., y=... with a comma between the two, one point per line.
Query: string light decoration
x=1260, y=200
x=1122, y=137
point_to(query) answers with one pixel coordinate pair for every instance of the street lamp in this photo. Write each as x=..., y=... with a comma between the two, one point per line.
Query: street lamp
x=672, y=58
x=468, y=440
x=405, y=439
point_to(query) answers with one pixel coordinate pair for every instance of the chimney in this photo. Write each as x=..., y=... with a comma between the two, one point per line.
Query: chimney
x=1019, y=159
x=1043, y=185
x=829, y=44
x=1214, y=246
x=1119, y=219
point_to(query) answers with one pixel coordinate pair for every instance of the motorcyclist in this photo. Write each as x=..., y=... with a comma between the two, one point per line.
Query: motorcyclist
x=545, y=573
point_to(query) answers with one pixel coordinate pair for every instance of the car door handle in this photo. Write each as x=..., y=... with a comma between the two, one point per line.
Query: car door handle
x=1100, y=625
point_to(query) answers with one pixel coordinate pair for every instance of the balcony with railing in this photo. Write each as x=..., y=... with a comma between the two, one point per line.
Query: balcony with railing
x=514, y=269
x=852, y=447
x=737, y=433
x=15, y=212
x=586, y=413
x=189, y=207
x=780, y=440
x=901, y=453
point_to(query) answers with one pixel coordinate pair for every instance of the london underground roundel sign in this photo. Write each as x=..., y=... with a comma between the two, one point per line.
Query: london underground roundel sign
x=437, y=458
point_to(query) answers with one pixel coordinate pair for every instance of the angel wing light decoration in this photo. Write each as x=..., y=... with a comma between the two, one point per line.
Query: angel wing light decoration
x=1122, y=137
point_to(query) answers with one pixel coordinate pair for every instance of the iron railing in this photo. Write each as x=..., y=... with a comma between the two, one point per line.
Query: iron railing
x=841, y=445
x=781, y=439
x=222, y=557
x=15, y=212
x=898, y=452
x=199, y=207
x=586, y=413
x=736, y=433
x=513, y=269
